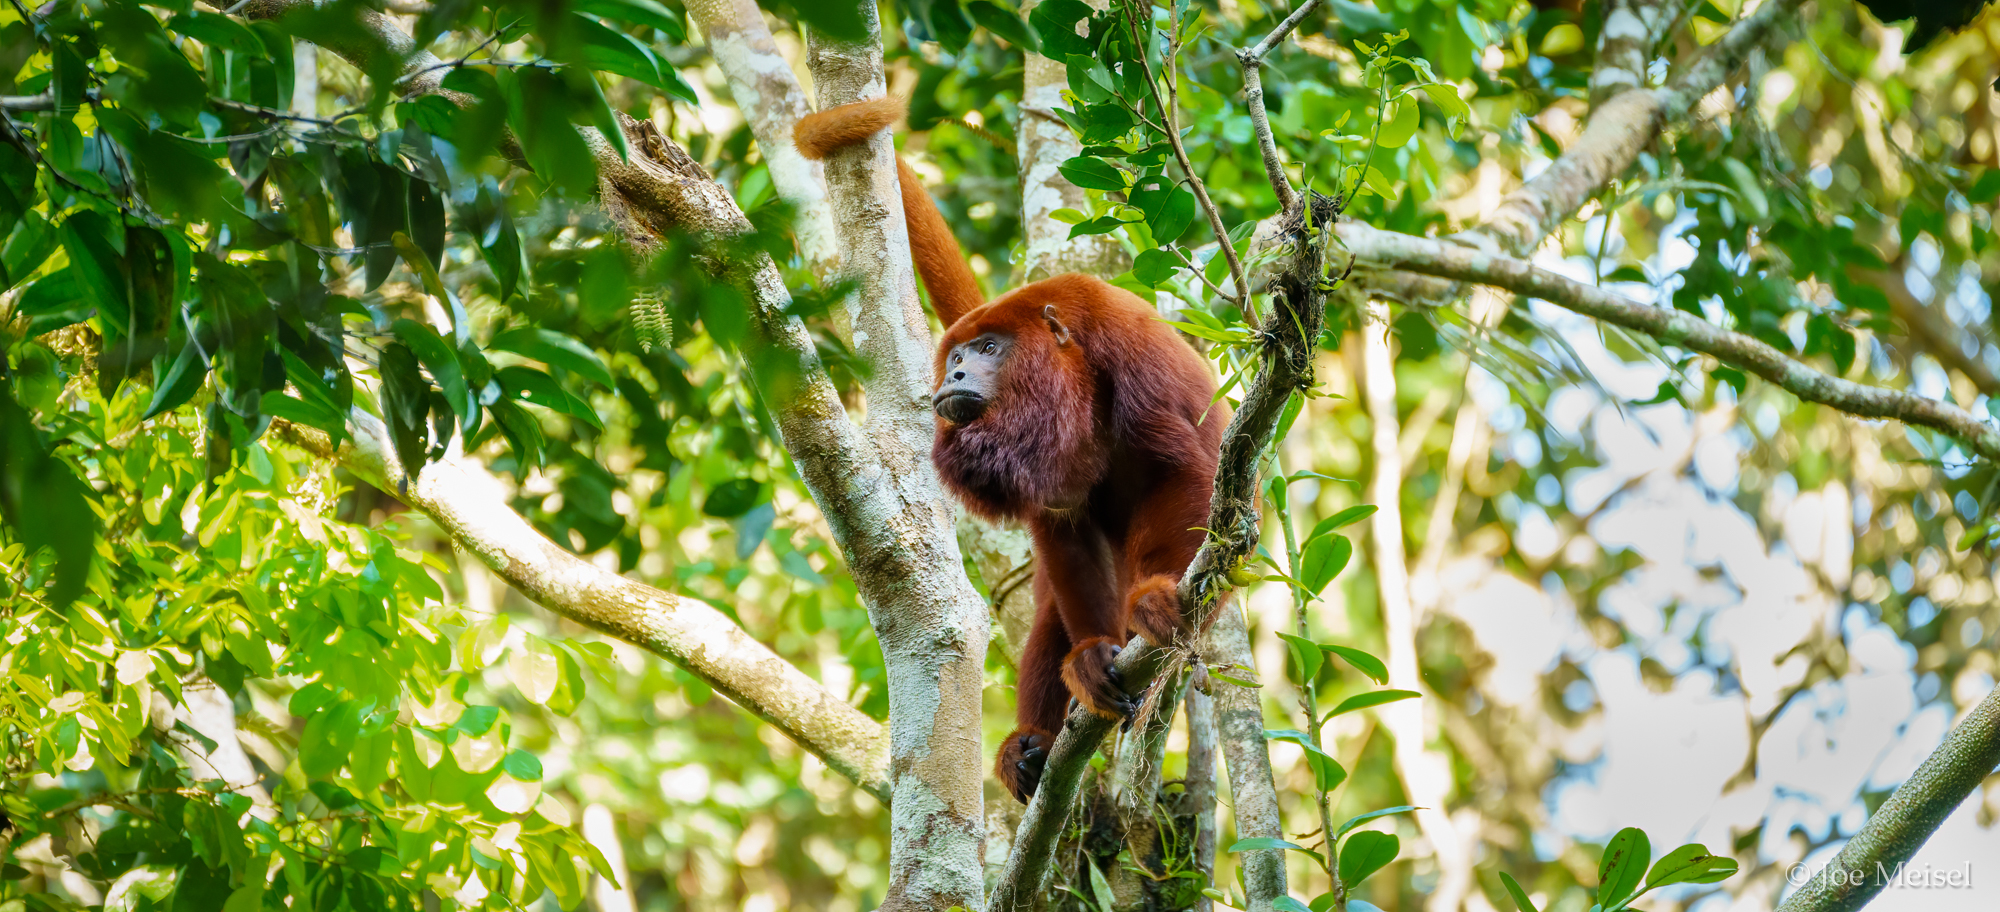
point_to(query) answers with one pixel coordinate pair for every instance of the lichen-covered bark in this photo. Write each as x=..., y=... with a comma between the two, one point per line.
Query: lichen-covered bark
x=1625, y=45
x=930, y=621
x=1044, y=143
x=771, y=100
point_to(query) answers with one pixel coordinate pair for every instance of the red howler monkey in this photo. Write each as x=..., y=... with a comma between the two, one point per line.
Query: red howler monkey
x=1068, y=405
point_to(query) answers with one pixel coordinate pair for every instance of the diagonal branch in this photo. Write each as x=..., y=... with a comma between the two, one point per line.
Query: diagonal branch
x=1452, y=261
x=1613, y=137
x=1900, y=826
x=468, y=504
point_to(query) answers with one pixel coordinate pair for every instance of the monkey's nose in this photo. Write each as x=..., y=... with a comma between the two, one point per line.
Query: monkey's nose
x=957, y=376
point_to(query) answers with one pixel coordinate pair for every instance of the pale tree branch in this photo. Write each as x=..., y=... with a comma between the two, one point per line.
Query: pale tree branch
x=875, y=489
x=1425, y=773
x=469, y=504
x=771, y=100
x=1393, y=250
x=1198, y=787
x=930, y=622
x=1625, y=45
x=1901, y=825
x=1613, y=137
x=1253, y=790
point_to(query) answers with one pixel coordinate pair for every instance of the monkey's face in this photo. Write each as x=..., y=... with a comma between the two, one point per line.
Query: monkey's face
x=971, y=377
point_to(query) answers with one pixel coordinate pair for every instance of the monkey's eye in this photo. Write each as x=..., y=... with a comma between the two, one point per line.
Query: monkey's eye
x=988, y=347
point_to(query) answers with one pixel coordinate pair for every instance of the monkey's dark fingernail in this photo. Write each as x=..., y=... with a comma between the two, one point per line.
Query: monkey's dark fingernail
x=1021, y=765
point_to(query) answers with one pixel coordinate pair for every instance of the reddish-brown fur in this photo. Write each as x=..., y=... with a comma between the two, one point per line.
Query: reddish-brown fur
x=1104, y=445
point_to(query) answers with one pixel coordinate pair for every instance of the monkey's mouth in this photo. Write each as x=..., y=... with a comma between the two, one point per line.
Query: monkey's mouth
x=959, y=406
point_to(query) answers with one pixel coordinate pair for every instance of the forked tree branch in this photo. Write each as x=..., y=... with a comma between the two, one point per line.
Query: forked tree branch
x=656, y=191
x=1426, y=256
x=1913, y=812
x=930, y=622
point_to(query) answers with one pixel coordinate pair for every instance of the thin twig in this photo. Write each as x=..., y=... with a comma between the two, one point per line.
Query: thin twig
x=1252, y=60
x=1242, y=299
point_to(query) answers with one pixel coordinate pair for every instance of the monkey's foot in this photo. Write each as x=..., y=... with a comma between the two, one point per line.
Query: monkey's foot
x=1091, y=679
x=1156, y=609
x=1022, y=756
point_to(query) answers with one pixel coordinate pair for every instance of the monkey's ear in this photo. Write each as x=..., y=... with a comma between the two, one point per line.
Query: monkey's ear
x=1055, y=325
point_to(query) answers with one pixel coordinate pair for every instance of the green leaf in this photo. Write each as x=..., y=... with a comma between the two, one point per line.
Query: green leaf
x=1371, y=698
x=1323, y=559
x=637, y=12
x=42, y=500
x=1622, y=867
x=1268, y=842
x=556, y=350
x=1099, y=888
x=525, y=384
x=1103, y=224
x=405, y=404
x=1364, y=854
x=1342, y=519
x=522, y=765
x=1447, y=99
x=732, y=498
x=1521, y=901
x=1152, y=267
x=1289, y=904
x=1305, y=655
x=180, y=384
x=441, y=361
x=602, y=117
x=1327, y=772
x=1359, y=819
x=1402, y=123
x=1094, y=173
x=1169, y=208
x=1690, y=863
x=1054, y=21
x=1367, y=664
x=1378, y=182
x=1002, y=22
x=1749, y=187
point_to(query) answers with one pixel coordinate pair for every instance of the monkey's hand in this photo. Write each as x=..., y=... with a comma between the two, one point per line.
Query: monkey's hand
x=1022, y=756
x=1091, y=679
